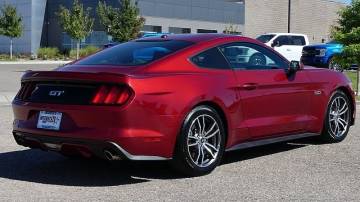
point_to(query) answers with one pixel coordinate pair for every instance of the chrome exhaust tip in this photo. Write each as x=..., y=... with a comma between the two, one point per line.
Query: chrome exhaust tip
x=111, y=156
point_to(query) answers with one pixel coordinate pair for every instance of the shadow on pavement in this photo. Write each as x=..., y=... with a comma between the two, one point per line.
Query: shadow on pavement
x=251, y=153
x=51, y=168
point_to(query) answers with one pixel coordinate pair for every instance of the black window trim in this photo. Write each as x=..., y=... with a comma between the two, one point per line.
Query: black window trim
x=229, y=65
x=207, y=49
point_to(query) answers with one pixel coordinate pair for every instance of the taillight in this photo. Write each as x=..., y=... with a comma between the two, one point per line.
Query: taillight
x=25, y=91
x=112, y=95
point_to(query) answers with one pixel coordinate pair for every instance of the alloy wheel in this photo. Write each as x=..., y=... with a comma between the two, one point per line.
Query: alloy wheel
x=339, y=117
x=203, y=140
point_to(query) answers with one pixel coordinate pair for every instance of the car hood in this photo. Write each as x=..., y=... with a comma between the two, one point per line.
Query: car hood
x=325, y=45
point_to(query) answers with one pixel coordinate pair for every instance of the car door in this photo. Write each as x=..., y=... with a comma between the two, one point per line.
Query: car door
x=283, y=46
x=297, y=44
x=212, y=60
x=273, y=103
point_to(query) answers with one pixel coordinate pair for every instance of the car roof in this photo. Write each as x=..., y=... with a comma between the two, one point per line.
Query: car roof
x=191, y=37
x=291, y=34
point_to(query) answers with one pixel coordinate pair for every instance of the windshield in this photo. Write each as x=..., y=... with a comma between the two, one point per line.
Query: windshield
x=265, y=38
x=135, y=53
x=332, y=42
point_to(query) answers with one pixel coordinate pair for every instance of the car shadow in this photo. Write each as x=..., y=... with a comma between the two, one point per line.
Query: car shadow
x=252, y=153
x=51, y=168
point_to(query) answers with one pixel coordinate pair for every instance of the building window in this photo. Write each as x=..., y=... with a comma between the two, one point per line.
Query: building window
x=233, y=33
x=179, y=30
x=151, y=28
x=206, y=31
x=96, y=38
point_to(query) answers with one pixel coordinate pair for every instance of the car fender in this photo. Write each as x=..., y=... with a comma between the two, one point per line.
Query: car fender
x=326, y=82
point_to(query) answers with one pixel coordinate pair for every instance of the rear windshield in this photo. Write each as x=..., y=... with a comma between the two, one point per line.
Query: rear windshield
x=332, y=42
x=265, y=38
x=135, y=53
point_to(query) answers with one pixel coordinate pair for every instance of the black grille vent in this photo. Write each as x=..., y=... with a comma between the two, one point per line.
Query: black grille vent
x=310, y=52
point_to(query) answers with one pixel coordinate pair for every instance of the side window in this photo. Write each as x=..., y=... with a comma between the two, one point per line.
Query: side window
x=248, y=56
x=297, y=40
x=211, y=58
x=282, y=40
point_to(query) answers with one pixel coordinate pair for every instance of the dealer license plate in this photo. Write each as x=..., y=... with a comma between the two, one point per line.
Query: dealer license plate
x=49, y=120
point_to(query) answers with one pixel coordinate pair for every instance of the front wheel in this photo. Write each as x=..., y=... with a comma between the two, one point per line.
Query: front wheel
x=201, y=143
x=257, y=59
x=337, y=120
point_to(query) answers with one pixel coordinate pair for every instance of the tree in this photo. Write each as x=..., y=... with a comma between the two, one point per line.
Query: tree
x=76, y=22
x=231, y=29
x=347, y=32
x=10, y=25
x=123, y=23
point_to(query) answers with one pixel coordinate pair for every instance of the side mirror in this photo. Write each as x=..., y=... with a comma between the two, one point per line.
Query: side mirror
x=294, y=67
x=275, y=44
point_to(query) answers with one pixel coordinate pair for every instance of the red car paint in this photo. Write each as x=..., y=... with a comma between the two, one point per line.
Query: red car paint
x=255, y=104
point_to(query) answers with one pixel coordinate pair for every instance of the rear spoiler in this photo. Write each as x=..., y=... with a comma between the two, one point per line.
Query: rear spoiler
x=101, y=77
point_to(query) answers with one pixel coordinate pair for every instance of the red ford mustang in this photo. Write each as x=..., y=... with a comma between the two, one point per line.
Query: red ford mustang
x=184, y=98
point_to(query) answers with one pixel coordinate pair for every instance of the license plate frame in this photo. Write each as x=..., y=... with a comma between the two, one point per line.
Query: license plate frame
x=49, y=120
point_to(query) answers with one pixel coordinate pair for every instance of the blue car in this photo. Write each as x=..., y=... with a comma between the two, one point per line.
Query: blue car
x=152, y=34
x=141, y=35
x=321, y=55
x=108, y=45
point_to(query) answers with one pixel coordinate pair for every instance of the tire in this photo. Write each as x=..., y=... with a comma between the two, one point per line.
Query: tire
x=199, y=149
x=257, y=59
x=338, y=118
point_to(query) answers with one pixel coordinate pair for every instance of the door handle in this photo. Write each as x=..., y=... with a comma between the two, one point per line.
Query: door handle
x=249, y=86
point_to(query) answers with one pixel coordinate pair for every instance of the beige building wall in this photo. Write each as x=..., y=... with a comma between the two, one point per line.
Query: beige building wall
x=263, y=16
x=311, y=17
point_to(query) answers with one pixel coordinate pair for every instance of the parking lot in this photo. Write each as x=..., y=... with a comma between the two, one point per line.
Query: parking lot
x=303, y=170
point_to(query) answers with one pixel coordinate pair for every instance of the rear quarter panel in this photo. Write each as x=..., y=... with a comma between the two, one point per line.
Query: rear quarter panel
x=176, y=94
x=174, y=86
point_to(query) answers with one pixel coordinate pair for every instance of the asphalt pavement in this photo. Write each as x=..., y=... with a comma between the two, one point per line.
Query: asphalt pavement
x=303, y=170
x=10, y=75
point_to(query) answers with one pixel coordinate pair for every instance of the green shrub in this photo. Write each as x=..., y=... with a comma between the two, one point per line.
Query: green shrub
x=4, y=57
x=17, y=56
x=88, y=50
x=48, y=53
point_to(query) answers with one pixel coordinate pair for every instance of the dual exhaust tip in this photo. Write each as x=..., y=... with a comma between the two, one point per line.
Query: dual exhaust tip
x=111, y=155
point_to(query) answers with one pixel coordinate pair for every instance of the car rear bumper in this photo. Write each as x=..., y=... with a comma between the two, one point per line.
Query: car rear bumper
x=86, y=148
x=139, y=133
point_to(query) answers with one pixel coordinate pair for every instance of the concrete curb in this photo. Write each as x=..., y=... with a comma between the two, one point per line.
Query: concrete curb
x=34, y=62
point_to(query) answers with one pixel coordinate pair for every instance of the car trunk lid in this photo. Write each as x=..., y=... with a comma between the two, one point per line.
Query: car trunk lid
x=65, y=87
